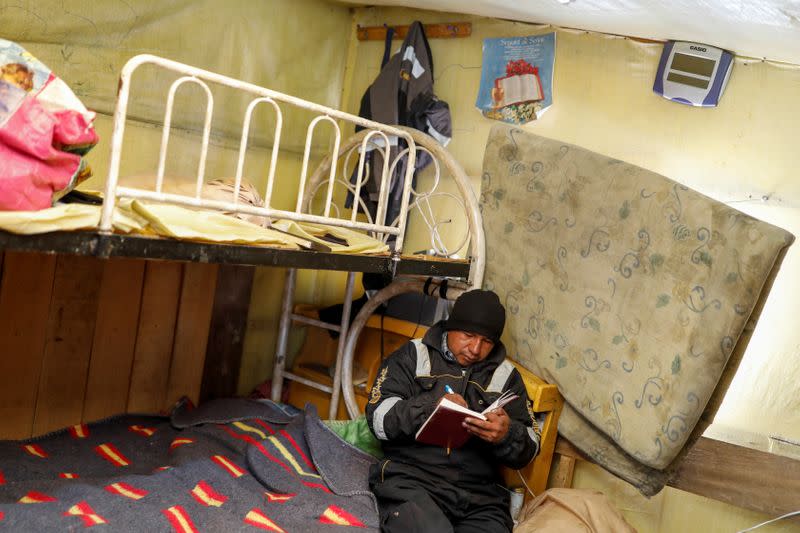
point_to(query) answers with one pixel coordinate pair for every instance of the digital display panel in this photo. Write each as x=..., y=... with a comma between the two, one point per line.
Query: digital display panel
x=692, y=64
x=688, y=80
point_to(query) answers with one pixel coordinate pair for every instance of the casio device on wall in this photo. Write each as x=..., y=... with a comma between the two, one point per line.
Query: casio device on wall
x=692, y=73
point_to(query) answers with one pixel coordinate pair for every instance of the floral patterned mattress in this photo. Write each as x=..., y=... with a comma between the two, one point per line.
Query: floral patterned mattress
x=628, y=290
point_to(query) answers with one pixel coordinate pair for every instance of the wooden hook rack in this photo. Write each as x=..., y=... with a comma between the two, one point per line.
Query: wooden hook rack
x=447, y=30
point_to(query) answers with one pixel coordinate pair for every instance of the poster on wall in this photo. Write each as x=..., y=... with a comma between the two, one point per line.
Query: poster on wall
x=517, y=78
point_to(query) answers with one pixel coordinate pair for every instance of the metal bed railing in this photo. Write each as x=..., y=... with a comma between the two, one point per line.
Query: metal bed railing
x=261, y=95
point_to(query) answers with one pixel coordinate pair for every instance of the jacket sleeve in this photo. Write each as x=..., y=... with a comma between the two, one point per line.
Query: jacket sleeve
x=396, y=409
x=521, y=443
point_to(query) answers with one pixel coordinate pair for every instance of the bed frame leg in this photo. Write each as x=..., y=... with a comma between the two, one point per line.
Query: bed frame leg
x=345, y=326
x=283, y=334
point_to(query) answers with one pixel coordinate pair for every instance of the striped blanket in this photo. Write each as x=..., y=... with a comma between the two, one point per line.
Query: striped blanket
x=229, y=465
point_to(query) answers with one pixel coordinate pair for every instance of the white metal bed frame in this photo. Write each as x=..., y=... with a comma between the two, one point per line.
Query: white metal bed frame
x=349, y=333
x=113, y=191
x=375, y=136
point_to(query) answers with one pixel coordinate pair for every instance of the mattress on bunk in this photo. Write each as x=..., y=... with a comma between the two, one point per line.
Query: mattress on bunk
x=145, y=218
x=226, y=465
x=630, y=291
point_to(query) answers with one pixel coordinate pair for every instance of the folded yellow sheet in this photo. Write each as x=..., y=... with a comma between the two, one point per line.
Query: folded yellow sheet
x=135, y=216
x=66, y=217
x=62, y=217
x=357, y=243
x=126, y=220
x=183, y=223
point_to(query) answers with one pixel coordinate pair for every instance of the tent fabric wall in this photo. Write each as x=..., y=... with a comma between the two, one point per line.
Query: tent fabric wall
x=756, y=28
x=297, y=47
x=87, y=43
x=604, y=102
x=742, y=153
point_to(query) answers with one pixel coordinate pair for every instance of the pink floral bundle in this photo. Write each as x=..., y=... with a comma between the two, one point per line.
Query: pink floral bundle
x=44, y=132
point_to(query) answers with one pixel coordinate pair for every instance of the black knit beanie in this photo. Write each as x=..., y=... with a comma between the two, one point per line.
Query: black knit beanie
x=480, y=312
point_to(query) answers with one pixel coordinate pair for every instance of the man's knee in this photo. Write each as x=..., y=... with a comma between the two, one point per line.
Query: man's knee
x=405, y=504
x=418, y=515
x=490, y=519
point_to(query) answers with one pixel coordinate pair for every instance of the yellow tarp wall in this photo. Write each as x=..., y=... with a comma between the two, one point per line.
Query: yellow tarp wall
x=297, y=47
x=739, y=152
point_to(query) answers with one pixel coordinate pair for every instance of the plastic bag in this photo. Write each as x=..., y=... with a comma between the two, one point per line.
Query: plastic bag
x=44, y=132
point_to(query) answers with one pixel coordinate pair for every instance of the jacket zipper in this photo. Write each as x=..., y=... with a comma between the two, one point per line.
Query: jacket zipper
x=464, y=380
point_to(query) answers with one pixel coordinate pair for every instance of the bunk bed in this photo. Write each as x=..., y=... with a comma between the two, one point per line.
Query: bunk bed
x=279, y=237
x=275, y=471
x=104, y=241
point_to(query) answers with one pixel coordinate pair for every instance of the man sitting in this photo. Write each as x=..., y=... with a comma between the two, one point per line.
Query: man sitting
x=431, y=488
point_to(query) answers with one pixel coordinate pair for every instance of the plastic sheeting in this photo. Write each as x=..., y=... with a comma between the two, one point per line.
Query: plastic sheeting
x=293, y=47
x=743, y=152
x=757, y=28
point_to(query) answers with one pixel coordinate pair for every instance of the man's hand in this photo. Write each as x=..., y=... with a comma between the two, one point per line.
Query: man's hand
x=493, y=429
x=456, y=398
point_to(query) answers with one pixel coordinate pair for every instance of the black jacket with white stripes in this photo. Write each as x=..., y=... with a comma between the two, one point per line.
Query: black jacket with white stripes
x=409, y=384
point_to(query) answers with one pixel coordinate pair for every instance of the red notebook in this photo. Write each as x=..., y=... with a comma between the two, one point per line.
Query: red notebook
x=443, y=427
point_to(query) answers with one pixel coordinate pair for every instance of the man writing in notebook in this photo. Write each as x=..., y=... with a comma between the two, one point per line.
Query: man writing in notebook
x=428, y=488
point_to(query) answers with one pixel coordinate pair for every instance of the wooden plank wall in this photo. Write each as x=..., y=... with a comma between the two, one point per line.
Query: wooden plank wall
x=83, y=338
x=228, y=327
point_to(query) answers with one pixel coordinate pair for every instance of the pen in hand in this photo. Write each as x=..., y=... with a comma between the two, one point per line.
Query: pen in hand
x=448, y=391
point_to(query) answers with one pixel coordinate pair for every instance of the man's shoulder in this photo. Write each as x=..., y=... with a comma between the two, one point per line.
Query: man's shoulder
x=407, y=352
x=433, y=337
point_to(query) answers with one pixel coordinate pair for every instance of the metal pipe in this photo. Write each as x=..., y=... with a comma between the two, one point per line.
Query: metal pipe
x=307, y=382
x=337, y=367
x=141, y=59
x=398, y=286
x=307, y=153
x=410, y=169
x=283, y=334
x=477, y=245
x=276, y=143
x=318, y=323
x=165, y=131
x=117, y=135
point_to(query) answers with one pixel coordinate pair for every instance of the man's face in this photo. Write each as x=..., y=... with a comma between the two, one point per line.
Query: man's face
x=468, y=348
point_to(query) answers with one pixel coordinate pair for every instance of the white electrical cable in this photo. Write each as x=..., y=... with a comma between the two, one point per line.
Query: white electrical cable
x=787, y=515
x=522, y=478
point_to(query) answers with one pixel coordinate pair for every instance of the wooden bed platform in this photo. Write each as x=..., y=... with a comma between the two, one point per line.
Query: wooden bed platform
x=96, y=244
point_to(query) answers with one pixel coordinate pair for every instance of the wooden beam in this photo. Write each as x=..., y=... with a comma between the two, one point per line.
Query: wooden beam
x=565, y=447
x=743, y=477
x=155, y=336
x=226, y=332
x=563, y=472
x=191, y=332
x=446, y=30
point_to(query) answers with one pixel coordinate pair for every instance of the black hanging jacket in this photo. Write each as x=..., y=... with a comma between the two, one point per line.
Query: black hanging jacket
x=402, y=94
